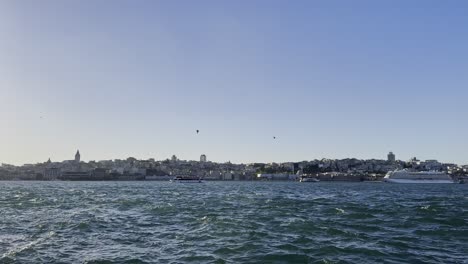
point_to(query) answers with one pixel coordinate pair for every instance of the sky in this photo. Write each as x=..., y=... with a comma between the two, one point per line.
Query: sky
x=328, y=79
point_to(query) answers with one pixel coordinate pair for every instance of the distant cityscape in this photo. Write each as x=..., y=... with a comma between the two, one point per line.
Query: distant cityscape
x=133, y=169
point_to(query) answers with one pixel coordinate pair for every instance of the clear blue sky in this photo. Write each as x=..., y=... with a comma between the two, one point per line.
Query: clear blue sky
x=329, y=79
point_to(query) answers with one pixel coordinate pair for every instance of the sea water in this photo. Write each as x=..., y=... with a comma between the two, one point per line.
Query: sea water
x=232, y=222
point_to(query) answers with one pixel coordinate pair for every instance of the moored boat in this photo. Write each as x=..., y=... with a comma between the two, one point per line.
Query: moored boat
x=405, y=176
x=187, y=179
x=308, y=179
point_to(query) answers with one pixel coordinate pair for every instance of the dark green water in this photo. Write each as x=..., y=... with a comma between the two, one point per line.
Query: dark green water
x=232, y=222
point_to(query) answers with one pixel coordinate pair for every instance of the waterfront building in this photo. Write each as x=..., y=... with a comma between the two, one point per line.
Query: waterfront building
x=52, y=174
x=228, y=176
x=203, y=158
x=277, y=176
x=391, y=157
x=76, y=176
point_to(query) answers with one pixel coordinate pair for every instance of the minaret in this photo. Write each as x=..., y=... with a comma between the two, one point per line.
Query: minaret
x=77, y=156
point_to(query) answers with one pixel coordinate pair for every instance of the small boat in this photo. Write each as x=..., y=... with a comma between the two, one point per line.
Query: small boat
x=308, y=179
x=187, y=179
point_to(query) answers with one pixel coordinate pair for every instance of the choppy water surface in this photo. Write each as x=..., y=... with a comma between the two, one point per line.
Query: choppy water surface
x=233, y=222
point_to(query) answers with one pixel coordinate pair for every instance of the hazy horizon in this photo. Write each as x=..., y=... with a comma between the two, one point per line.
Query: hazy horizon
x=328, y=79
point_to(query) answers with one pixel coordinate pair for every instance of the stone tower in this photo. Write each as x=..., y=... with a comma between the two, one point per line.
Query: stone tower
x=77, y=157
x=203, y=158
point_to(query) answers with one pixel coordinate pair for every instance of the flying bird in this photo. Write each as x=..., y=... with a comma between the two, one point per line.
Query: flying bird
x=274, y=137
x=198, y=131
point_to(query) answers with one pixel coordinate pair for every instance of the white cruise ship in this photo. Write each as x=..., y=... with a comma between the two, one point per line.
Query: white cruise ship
x=405, y=176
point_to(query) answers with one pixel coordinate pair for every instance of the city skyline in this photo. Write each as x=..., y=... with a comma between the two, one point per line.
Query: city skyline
x=390, y=157
x=262, y=81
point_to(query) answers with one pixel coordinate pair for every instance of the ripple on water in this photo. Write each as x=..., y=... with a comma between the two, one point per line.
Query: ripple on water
x=232, y=222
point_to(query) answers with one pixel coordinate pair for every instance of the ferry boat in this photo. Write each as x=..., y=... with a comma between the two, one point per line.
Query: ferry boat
x=405, y=176
x=308, y=179
x=187, y=179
